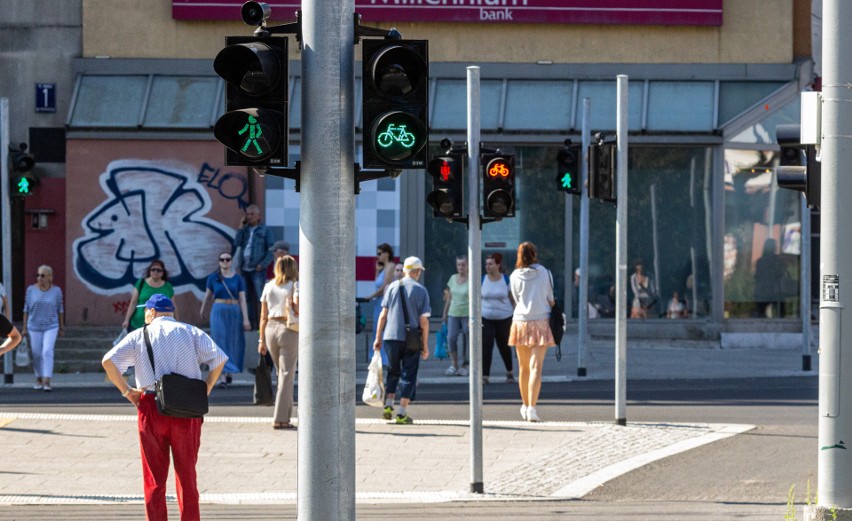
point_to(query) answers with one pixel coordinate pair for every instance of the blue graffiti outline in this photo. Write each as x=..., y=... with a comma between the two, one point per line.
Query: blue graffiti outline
x=89, y=274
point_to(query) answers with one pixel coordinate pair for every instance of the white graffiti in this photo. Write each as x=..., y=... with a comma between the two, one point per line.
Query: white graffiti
x=153, y=210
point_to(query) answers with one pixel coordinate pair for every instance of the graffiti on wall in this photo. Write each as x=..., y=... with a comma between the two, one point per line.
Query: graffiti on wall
x=153, y=210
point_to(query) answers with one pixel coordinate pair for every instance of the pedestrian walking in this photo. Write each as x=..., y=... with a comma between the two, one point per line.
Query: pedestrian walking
x=497, y=309
x=156, y=280
x=456, y=311
x=532, y=290
x=384, y=276
x=177, y=348
x=44, y=319
x=279, y=307
x=253, y=249
x=228, y=315
x=404, y=297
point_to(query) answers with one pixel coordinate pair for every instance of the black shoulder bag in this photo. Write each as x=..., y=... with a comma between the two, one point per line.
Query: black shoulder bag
x=177, y=395
x=413, y=337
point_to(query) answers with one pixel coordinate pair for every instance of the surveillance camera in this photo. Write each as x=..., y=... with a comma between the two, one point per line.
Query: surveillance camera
x=255, y=13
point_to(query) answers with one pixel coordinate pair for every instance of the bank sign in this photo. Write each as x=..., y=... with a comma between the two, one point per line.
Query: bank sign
x=634, y=12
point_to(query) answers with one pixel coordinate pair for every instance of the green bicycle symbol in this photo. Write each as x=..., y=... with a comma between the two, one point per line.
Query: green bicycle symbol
x=398, y=134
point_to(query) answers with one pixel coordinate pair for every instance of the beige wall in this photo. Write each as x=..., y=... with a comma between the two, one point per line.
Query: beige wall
x=753, y=31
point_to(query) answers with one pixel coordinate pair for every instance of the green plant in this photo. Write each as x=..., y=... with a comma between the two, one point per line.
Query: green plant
x=791, y=504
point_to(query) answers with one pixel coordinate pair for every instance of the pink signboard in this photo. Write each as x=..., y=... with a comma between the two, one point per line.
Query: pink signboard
x=635, y=12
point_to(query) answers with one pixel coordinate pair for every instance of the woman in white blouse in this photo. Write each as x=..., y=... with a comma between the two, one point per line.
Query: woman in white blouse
x=279, y=334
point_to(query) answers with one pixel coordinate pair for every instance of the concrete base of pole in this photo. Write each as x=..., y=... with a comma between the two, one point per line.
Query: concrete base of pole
x=820, y=513
x=477, y=488
x=806, y=362
x=581, y=371
x=621, y=421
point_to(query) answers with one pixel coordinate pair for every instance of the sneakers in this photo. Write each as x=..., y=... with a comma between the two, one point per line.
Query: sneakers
x=451, y=371
x=462, y=371
x=524, y=412
x=486, y=380
x=532, y=416
x=510, y=378
x=48, y=388
x=404, y=420
x=38, y=387
x=388, y=413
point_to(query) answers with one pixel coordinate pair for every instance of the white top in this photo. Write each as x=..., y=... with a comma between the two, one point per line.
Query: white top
x=278, y=298
x=533, y=293
x=495, y=299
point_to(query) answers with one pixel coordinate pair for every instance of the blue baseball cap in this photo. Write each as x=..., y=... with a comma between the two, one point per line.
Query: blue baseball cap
x=159, y=302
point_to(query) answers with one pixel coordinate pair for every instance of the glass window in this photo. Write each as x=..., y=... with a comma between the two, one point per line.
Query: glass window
x=763, y=132
x=296, y=105
x=604, y=100
x=681, y=105
x=538, y=105
x=450, y=111
x=109, y=101
x=762, y=239
x=737, y=96
x=181, y=102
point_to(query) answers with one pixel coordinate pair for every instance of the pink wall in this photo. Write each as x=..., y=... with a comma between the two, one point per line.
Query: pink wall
x=41, y=244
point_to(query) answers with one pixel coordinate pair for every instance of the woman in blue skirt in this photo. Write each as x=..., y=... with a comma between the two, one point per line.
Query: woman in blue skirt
x=228, y=316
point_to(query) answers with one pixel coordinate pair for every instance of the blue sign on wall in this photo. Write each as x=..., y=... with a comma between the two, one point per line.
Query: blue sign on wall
x=45, y=97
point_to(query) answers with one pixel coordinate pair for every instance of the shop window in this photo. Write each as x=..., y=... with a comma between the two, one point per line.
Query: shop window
x=681, y=106
x=604, y=96
x=735, y=97
x=182, y=102
x=109, y=101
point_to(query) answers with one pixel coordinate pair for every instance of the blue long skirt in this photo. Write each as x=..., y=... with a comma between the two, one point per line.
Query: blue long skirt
x=226, y=328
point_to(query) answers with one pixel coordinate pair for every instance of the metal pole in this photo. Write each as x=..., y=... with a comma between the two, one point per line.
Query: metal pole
x=474, y=256
x=6, y=217
x=694, y=295
x=805, y=284
x=583, y=330
x=835, y=420
x=621, y=257
x=568, y=226
x=654, y=242
x=326, y=466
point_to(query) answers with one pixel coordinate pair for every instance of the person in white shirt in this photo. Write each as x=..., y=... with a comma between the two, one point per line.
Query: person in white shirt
x=497, y=308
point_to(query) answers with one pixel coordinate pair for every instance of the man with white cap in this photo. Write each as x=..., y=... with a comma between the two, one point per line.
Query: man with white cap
x=391, y=330
x=177, y=348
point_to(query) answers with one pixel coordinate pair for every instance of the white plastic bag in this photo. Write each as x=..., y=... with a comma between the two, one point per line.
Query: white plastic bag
x=22, y=354
x=120, y=337
x=374, y=389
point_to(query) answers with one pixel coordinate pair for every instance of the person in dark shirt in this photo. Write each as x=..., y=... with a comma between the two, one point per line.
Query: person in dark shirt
x=11, y=336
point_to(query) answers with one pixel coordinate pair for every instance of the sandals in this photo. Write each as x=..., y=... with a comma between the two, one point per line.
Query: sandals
x=281, y=426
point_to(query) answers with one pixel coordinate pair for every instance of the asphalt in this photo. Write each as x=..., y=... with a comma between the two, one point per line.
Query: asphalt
x=83, y=459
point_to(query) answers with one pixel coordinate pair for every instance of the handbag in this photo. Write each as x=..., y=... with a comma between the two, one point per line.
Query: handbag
x=647, y=296
x=292, y=315
x=374, y=388
x=557, y=320
x=263, y=383
x=441, y=343
x=177, y=396
x=22, y=354
x=413, y=337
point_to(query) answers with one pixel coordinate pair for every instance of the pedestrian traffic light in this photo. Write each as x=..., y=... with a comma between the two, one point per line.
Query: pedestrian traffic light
x=798, y=168
x=254, y=127
x=447, y=196
x=395, y=93
x=568, y=178
x=21, y=182
x=602, y=168
x=498, y=186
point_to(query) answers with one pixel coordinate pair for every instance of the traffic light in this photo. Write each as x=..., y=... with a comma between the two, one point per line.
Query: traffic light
x=395, y=92
x=798, y=168
x=447, y=196
x=254, y=127
x=568, y=178
x=602, y=168
x=498, y=186
x=21, y=182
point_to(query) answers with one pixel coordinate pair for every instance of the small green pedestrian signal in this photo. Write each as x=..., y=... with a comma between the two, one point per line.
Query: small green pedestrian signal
x=567, y=169
x=255, y=132
x=567, y=181
x=22, y=185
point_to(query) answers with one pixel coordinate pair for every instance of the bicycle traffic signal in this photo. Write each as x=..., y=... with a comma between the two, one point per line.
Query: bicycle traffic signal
x=498, y=186
x=568, y=178
x=602, y=168
x=447, y=196
x=798, y=168
x=254, y=127
x=395, y=91
x=21, y=182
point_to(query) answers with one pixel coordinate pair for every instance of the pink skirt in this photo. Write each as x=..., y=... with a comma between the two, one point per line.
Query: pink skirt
x=531, y=333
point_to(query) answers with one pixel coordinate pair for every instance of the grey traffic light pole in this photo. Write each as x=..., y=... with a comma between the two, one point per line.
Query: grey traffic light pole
x=6, y=218
x=326, y=466
x=835, y=335
x=474, y=281
x=621, y=256
x=583, y=300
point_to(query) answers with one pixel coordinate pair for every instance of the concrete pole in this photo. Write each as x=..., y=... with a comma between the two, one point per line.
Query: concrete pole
x=834, y=470
x=326, y=466
x=474, y=281
x=6, y=218
x=583, y=300
x=621, y=276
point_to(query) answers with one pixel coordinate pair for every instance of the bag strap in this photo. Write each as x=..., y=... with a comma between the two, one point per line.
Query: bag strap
x=150, y=349
x=225, y=283
x=403, y=298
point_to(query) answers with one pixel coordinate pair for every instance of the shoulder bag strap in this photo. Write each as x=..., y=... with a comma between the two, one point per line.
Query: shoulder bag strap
x=403, y=298
x=225, y=283
x=150, y=349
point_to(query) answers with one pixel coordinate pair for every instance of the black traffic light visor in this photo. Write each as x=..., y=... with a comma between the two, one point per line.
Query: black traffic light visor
x=252, y=133
x=442, y=202
x=254, y=66
x=397, y=71
x=499, y=202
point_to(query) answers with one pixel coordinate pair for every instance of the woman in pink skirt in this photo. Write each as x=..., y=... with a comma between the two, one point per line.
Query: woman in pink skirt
x=532, y=288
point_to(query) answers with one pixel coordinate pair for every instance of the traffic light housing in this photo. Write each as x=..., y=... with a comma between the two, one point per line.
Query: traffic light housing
x=21, y=181
x=447, y=196
x=798, y=168
x=568, y=178
x=395, y=94
x=254, y=127
x=498, y=185
x=602, y=168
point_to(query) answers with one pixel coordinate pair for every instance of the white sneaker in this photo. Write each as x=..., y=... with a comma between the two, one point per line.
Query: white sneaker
x=462, y=371
x=532, y=416
x=451, y=371
x=524, y=412
x=38, y=387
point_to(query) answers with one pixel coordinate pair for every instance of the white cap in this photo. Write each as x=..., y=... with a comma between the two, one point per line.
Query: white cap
x=412, y=263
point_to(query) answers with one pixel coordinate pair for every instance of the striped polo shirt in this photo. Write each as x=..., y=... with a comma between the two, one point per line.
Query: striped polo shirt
x=43, y=308
x=178, y=348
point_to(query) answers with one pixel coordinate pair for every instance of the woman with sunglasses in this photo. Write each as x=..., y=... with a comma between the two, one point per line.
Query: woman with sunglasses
x=156, y=280
x=228, y=316
x=44, y=318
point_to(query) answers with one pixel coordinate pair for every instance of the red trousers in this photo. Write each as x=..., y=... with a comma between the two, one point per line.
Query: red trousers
x=158, y=436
